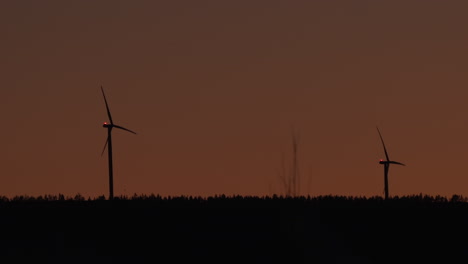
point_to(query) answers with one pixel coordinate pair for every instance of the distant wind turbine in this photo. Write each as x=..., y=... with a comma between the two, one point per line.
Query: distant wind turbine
x=386, y=164
x=108, y=144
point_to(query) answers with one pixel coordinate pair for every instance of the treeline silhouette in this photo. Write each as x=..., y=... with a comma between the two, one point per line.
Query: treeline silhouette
x=233, y=229
x=418, y=198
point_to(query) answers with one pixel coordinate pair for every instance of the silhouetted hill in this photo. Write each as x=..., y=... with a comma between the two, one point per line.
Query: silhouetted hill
x=150, y=229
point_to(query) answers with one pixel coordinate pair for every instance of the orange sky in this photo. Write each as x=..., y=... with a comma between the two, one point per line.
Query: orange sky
x=213, y=88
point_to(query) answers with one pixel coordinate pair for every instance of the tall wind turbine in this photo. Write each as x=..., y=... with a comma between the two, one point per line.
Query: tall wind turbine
x=108, y=144
x=386, y=164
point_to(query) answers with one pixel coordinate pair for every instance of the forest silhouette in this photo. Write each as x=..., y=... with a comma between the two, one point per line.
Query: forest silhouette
x=233, y=229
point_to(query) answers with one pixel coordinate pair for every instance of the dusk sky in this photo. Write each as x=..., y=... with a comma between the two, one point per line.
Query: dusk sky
x=214, y=88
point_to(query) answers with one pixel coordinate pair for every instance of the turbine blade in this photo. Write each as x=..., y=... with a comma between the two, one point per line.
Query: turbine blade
x=398, y=163
x=107, y=106
x=105, y=145
x=385, y=149
x=116, y=126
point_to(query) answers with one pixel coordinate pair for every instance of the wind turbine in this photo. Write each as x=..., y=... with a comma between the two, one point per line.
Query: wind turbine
x=108, y=144
x=386, y=164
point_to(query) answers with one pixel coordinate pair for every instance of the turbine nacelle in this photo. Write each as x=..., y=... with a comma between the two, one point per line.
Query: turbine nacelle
x=107, y=124
x=390, y=162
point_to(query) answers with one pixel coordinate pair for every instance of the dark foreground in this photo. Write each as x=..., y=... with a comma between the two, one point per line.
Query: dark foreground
x=234, y=230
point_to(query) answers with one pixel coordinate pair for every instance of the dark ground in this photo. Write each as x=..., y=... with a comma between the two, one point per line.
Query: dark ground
x=152, y=229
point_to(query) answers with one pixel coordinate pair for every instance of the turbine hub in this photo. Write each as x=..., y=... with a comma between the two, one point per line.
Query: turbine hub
x=106, y=124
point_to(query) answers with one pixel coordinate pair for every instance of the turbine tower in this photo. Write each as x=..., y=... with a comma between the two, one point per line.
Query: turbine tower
x=386, y=164
x=108, y=144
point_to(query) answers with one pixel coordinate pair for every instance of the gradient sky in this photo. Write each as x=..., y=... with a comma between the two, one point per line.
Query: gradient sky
x=213, y=89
